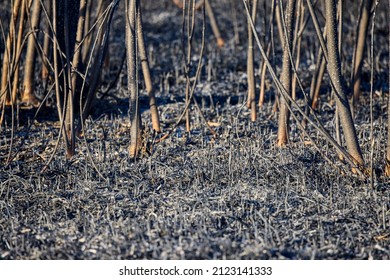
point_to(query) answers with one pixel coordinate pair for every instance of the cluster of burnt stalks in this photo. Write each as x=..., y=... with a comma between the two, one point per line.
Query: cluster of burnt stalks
x=70, y=40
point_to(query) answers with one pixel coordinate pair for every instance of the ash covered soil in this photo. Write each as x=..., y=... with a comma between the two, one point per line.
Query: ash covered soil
x=195, y=196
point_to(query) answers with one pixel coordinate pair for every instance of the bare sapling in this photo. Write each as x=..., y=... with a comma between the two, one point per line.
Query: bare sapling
x=18, y=50
x=270, y=40
x=146, y=72
x=47, y=44
x=299, y=25
x=65, y=20
x=95, y=52
x=9, y=56
x=28, y=96
x=286, y=75
x=334, y=69
x=210, y=13
x=251, y=103
x=214, y=25
x=132, y=83
x=360, y=46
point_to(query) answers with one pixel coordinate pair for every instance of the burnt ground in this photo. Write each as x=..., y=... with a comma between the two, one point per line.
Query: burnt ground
x=193, y=196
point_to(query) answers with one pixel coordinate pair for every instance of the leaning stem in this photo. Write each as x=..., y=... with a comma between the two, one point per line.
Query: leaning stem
x=334, y=69
x=146, y=72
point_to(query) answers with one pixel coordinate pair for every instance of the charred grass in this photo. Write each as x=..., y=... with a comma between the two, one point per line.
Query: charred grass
x=192, y=196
